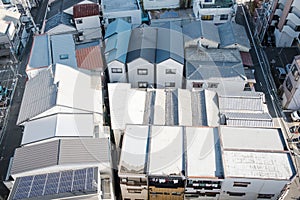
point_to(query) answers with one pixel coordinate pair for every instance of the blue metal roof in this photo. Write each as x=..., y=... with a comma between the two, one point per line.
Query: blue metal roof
x=60, y=18
x=116, y=27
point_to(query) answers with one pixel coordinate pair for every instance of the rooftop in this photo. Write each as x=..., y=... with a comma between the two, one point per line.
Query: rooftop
x=58, y=19
x=117, y=27
x=219, y=4
x=61, y=152
x=40, y=47
x=119, y=5
x=85, y=10
x=89, y=58
x=203, y=152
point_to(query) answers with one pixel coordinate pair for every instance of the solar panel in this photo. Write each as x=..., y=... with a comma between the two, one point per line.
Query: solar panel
x=52, y=183
x=65, y=183
x=38, y=185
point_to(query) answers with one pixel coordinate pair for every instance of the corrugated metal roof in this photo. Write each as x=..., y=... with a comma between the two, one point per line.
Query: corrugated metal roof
x=249, y=119
x=40, y=95
x=85, y=10
x=142, y=44
x=40, y=52
x=247, y=59
x=231, y=34
x=89, y=58
x=116, y=27
x=117, y=47
x=59, y=18
x=33, y=157
x=166, y=47
x=59, y=125
x=61, y=152
x=198, y=29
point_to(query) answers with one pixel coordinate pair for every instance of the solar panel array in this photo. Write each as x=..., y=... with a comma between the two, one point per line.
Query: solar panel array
x=55, y=183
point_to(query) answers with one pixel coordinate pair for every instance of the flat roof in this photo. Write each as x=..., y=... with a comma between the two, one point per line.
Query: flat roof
x=40, y=53
x=264, y=139
x=203, y=152
x=261, y=165
x=119, y=5
x=134, y=150
x=166, y=151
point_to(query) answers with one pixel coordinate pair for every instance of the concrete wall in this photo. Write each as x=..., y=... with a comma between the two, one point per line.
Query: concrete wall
x=135, y=15
x=133, y=76
x=159, y=4
x=88, y=22
x=217, y=12
x=162, y=77
x=117, y=77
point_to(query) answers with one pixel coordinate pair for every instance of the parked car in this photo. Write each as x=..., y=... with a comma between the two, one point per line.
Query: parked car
x=296, y=116
x=295, y=129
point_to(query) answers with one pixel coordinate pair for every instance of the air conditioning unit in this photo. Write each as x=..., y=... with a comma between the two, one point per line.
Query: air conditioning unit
x=80, y=38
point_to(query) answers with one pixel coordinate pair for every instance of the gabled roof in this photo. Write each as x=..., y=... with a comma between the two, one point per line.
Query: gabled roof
x=89, y=57
x=233, y=34
x=61, y=152
x=116, y=27
x=58, y=19
x=40, y=95
x=58, y=125
x=166, y=47
x=142, y=44
x=117, y=47
x=85, y=10
x=199, y=29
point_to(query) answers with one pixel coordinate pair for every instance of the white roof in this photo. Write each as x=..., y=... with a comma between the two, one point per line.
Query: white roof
x=166, y=151
x=134, y=150
x=59, y=125
x=260, y=165
x=203, y=152
x=251, y=138
x=9, y=15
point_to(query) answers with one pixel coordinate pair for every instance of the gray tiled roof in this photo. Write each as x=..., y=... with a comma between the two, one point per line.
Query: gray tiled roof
x=40, y=95
x=61, y=152
x=198, y=29
x=60, y=18
x=232, y=33
x=142, y=44
x=240, y=103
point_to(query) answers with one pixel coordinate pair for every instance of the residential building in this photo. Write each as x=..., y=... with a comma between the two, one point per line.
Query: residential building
x=244, y=109
x=141, y=57
x=255, y=166
x=206, y=163
x=78, y=93
x=178, y=16
x=116, y=46
x=287, y=23
x=220, y=70
x=87, y=21
x=169, y=56
x=130, y=11
x=291, y=92
x=157, y=5
x=63, y=168
x=51, y=50
x=204, y=168
x=60, y=23
x=201, y=33
x=11, y=31
x=216, y=11
x=172, y=107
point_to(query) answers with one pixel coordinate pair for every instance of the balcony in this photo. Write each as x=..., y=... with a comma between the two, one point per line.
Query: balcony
x=293, y=21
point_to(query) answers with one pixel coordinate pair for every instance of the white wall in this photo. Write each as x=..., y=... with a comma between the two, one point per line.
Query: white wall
x=256, y=186
x=204, y=42
x=88, y=22
x=283, y=39
x=135, y=15
x=162, y=77
x=126, y=188
x=117, y=77
x=159, y=4
x=133, y=76
x=217, y=12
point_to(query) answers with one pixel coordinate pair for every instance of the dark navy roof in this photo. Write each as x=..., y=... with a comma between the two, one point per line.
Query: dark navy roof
x=60, y=18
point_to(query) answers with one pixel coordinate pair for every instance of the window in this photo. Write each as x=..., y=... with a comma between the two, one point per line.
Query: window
x=241, y=184
x=79, y=21
x=169, y=84
x=207, y=17
x=116, y=70
x=64, y=56
x=289, y=84
x=294, y=71
x=207, y=1
x=212, y=85
x=223, y=17
x=142, y=71
x=134, y=190
x=170, y=71
x=265, y=196
x=197, y=85
x=236, y=194
x=142, y=84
